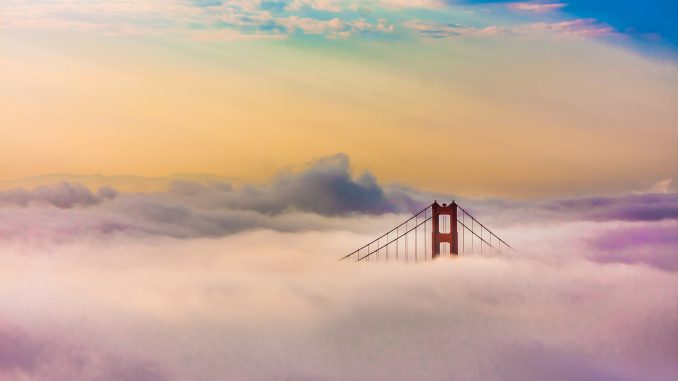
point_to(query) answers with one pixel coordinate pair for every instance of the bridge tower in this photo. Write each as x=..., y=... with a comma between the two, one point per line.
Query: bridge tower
x=446, y=235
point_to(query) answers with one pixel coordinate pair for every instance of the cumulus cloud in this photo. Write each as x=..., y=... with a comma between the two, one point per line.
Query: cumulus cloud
x=327, y=187
x=320, y=197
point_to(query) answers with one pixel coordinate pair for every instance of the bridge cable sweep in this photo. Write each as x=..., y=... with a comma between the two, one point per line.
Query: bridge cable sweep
x=447, y=229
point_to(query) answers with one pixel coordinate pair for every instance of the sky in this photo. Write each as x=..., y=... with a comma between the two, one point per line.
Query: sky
x=516, y=99
x=179, y=178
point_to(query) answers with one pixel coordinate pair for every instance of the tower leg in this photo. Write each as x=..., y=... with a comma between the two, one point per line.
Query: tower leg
x=435, y=229
x=454, y=245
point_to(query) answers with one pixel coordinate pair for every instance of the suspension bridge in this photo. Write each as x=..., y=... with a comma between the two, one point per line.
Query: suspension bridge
x=435, y=230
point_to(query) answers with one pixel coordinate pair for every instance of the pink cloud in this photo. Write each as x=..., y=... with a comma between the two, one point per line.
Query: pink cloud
x=536, y=7
x=27, y=354
x=268, y=306
x=578, y=28
x=436, y=30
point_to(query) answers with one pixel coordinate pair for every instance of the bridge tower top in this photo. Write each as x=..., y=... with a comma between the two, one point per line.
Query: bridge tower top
x=444, y=230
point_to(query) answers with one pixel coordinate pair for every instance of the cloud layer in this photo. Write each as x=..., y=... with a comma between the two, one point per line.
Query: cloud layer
x=326, y=196
x=313, y=199
x=209, y=280
x=269, y=306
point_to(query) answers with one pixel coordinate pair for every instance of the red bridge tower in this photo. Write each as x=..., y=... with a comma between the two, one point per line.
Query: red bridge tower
x=447, y=233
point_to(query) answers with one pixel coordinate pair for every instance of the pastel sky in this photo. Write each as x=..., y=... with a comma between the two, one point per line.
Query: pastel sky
x=503, y=98
x=179, y=178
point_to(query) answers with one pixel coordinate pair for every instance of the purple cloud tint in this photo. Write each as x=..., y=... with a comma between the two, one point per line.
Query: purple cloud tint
x=636, y=236
x=646, y=207
x=17, y=352
x=638, y=207
x=28, y=356
x=654, y=245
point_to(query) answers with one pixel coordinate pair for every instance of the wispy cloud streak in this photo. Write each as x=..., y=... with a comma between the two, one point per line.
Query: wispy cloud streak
x=536, y=7
x=249, y=19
